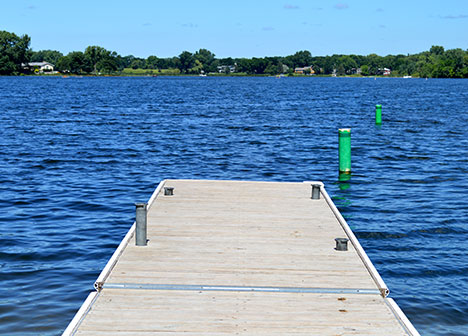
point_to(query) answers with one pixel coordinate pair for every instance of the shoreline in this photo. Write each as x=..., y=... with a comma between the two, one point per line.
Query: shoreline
x=59, y=75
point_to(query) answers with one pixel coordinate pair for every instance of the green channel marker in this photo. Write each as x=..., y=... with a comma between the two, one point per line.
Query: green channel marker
x=344, y=148
x=378, y=114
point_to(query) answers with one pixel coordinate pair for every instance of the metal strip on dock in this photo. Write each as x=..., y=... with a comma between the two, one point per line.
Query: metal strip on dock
x=243, y=288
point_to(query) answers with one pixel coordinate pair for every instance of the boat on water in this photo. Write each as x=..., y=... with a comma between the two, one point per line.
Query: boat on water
x=407, y=77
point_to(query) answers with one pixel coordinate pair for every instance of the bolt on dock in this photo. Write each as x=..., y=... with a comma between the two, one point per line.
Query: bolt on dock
x=240, y=258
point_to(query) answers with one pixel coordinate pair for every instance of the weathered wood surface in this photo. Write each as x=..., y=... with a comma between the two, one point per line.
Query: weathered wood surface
x=146, y=312
x=219, y=233
x=243, y=234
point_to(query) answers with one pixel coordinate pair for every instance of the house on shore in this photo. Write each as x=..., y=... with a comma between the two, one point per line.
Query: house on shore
x=304, y=70
x=384, y=71
x=226, y=68
x=39, y=67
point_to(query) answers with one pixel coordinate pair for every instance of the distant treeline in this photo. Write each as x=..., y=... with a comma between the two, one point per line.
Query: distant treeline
x=437, y=62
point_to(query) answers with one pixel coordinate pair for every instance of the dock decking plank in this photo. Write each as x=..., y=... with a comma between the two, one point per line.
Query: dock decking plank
x=213, y=313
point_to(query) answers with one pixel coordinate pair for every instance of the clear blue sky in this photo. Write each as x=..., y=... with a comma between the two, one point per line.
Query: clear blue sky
x=252, y=28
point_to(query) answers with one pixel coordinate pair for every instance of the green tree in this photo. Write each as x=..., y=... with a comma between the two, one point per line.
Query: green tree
x=206, y=58
x=51, y=56
x=244, y=65
x=317, y=69
x=152, y=62
x=14, y=50
x=301, y=58
x=259, y=65
x=346, y=65
x=173, y=62
x=271, y=69
x=63, y=64
x=226, y=61
x=374, y=63
x=98, y=58
x=365, y=70
x=464, y=70
x=126, y=61
x=197, y=68
x=186, y=61
x=138, y=63
x=108, y=64
x=454, y=59
x=74, y=62
x=77, y=62
x=437, y=50
x=425, y=69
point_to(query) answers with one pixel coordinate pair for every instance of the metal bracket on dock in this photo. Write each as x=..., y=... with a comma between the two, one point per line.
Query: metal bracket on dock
x=168, y=191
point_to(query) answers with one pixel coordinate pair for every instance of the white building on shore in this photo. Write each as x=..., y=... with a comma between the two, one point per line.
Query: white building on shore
x=39, y=67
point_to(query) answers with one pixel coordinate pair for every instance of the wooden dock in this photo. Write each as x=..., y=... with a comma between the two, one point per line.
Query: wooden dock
x=240, y=258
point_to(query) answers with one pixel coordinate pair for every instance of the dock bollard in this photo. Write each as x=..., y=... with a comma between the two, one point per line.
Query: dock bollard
x=378, y=114
x=344, y=149
x=168, y=191
x=341, y=244
x=315, y=191
x=140, y=230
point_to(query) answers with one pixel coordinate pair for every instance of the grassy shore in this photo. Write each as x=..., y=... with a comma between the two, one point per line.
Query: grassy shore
x=149, y=72
x=129, y=72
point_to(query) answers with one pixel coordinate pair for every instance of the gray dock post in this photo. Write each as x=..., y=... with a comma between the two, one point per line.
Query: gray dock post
x=140, y=230
x=315, y=191
x=341, y=244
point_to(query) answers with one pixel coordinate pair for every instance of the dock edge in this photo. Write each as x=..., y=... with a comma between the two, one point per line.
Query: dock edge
x=402, y=317
x=80, y=315
x=360, y=251
x=88, y=303
x=115, y=256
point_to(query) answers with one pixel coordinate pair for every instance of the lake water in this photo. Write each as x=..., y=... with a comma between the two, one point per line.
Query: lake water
x=76, y=153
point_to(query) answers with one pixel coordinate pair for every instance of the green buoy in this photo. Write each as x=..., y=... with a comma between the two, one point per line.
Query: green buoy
x=378, y=114
x=344, y=148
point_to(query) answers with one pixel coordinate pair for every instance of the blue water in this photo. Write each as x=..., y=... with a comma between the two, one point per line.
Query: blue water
x=76, y=153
